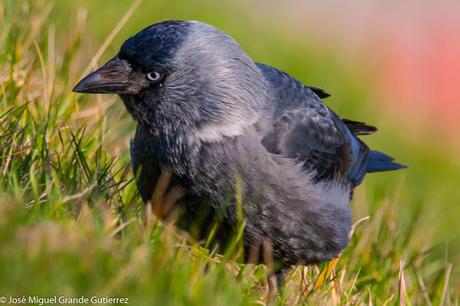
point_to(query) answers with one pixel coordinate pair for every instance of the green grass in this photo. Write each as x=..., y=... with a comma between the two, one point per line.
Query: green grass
x=71, y=222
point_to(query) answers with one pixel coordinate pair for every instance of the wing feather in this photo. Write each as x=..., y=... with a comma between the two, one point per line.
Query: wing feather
x=305, y=129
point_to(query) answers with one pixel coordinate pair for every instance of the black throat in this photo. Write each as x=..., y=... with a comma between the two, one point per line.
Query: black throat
x=170, y=138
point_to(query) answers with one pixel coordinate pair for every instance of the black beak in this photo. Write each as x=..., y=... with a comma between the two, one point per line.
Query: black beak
x=112, y=78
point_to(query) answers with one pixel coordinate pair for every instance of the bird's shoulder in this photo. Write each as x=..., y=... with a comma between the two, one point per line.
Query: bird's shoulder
x=303, y=128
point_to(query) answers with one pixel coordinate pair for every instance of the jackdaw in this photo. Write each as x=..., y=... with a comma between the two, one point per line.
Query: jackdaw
x=225, y=125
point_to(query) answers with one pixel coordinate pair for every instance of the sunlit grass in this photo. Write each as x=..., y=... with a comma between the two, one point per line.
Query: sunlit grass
x=71, y=222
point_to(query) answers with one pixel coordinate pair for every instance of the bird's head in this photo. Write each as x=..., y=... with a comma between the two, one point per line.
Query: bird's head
x=183, y=74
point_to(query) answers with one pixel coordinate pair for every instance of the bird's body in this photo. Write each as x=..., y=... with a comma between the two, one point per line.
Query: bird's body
x=278, y=186
x=222, y=122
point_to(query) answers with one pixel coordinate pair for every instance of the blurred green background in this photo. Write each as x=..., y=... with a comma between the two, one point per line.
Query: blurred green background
x=425, y=198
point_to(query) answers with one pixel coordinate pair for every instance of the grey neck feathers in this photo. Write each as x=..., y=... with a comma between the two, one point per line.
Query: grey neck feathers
x=227, y=85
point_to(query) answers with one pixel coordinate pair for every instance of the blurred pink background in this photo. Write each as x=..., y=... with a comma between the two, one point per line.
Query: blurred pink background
x=412, y=47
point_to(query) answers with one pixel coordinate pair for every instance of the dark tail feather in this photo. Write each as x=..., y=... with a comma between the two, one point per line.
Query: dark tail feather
x=378, y=162
x=359, y=128
x=319, y=92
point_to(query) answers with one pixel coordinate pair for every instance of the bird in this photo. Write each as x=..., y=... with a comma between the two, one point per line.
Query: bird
x=225, y=125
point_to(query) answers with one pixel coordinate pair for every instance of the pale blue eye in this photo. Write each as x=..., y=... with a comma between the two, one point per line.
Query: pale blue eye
x=153, y=76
